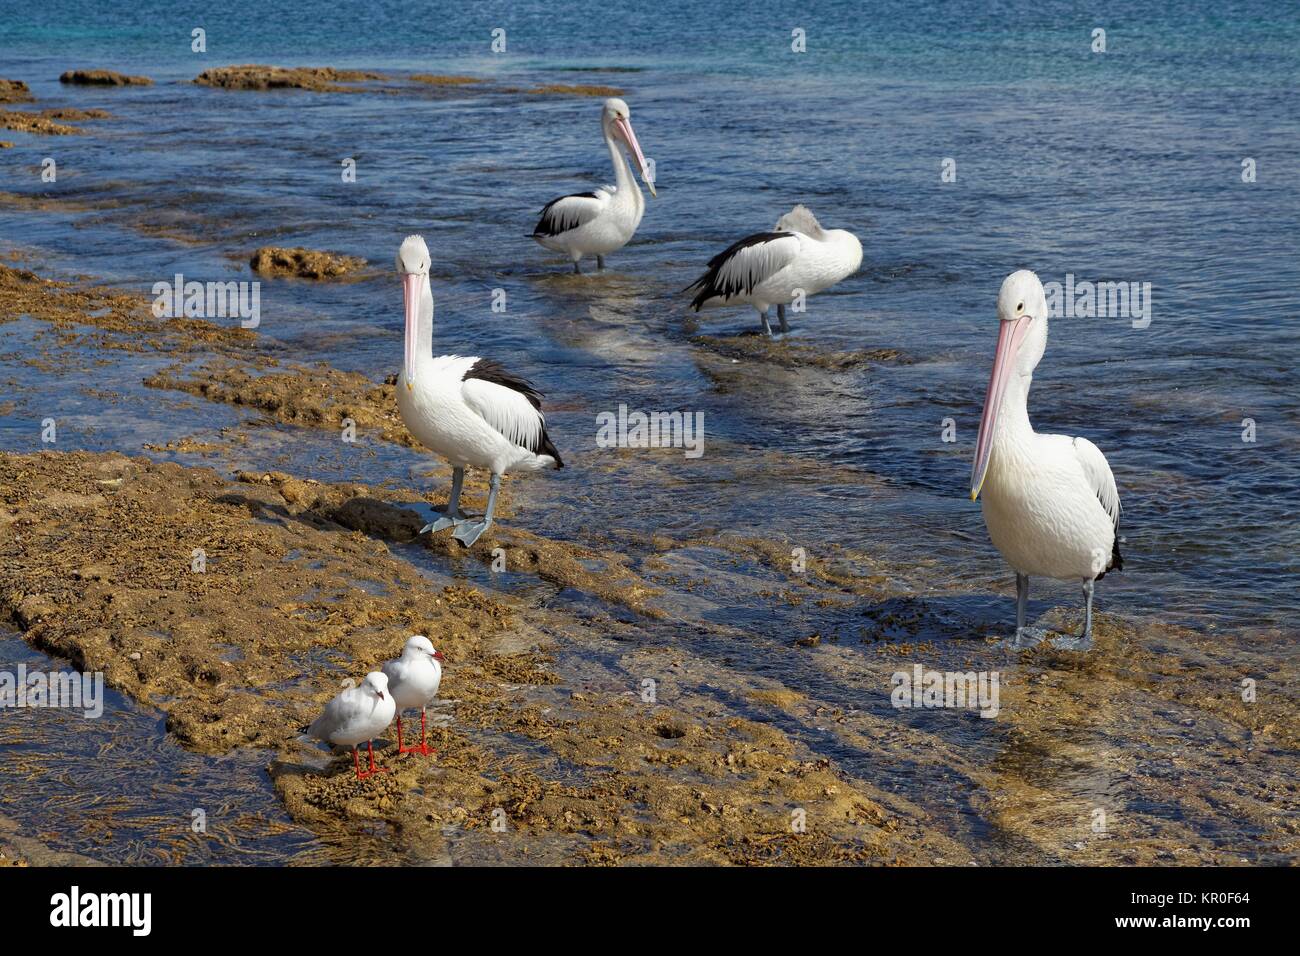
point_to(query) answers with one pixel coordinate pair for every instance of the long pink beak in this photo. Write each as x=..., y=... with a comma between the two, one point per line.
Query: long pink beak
x=411, y=288
x=1010, y=334
x=625, y=128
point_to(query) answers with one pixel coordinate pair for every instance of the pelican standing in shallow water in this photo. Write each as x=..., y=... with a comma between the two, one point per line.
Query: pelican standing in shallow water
x=467, y=409
x=600, y=222
x=772, y=268
x=1050, y=501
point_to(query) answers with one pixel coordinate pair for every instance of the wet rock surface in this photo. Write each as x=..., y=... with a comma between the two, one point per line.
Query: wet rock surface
x=102, y=78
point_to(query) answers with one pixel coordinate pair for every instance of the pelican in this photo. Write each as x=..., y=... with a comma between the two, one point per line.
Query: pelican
x=598, y=223
x=467, y=409
x=1050, y=501
x=772, y=268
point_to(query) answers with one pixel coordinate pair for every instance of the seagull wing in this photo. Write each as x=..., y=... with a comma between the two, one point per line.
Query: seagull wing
x=346, y=707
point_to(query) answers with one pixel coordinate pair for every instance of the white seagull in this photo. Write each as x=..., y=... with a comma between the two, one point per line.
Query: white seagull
x=1050, y=501
x=357, y=714
x=772, y=268
x=467, y=409
x=413, y=681
x=598, y=223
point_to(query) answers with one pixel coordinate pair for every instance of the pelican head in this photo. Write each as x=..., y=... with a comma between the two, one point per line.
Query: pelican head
x=1022, y=338
x=418, y=645
x=413, y=267
x=376, y=683
x=616, y=118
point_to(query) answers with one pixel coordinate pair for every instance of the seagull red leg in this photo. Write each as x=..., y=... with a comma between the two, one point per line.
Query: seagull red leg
x=424, y=749
x=370, y=746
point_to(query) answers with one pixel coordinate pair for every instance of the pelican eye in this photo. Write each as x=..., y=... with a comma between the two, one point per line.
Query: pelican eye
x=1020, y=307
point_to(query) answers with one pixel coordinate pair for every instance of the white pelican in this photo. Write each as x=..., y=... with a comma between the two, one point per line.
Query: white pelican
x=413, y=681
x=357, y=714
x=1050, y=501
x=467, y=409
x=600, y=222
x=771, y=268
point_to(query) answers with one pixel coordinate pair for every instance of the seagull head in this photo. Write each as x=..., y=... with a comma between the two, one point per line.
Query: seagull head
x=376, y=683
x=419, y=645
x=617, y=121
x=1022, y=338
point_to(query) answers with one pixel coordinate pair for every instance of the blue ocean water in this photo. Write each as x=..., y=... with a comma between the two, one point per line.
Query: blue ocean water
x=1123, y=165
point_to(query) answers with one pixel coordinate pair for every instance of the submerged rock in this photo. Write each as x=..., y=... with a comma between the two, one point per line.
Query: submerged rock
x=439, y=80
x=14, y=91
x=256, y=77
x=565, y=89
x=103, y=78
x=303, y=263
x=23, y=122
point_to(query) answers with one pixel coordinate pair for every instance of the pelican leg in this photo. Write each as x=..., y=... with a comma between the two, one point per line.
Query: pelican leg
x=468, y=531
x=1083, y=641
x=451, y=515
x=780, y=315
x=600, y=262
x=1022, y=601
x=767, y=328
x=577, y=268
x=1025, y=636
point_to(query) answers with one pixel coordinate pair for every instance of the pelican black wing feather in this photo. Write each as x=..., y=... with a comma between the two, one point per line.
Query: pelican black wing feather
x=557, y=218
x=722, y=279
x=496, y=373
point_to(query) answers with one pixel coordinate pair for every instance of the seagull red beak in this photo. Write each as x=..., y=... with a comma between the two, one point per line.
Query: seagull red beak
x=437, y=656
x=1011, y=333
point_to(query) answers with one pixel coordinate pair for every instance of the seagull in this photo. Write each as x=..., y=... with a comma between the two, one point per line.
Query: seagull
x=413, y=681
x=600, y=222
x=1050, y=501
x=467, y=409
x=357, y=714
x=773, y=268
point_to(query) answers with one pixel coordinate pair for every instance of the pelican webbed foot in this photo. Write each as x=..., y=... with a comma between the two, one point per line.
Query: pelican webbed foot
x=445, y=522
x=1083, y=640
x=469, y=531
x=452, y=516
x=1027, y=637
x=1073, y=642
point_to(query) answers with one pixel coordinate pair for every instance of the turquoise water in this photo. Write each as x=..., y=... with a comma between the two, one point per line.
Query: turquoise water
x=1122, y=166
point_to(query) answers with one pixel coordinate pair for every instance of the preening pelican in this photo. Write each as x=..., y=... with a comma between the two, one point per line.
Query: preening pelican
x=771, y=268
x=598, y=223
x=1050, y=501
x=467, y=409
